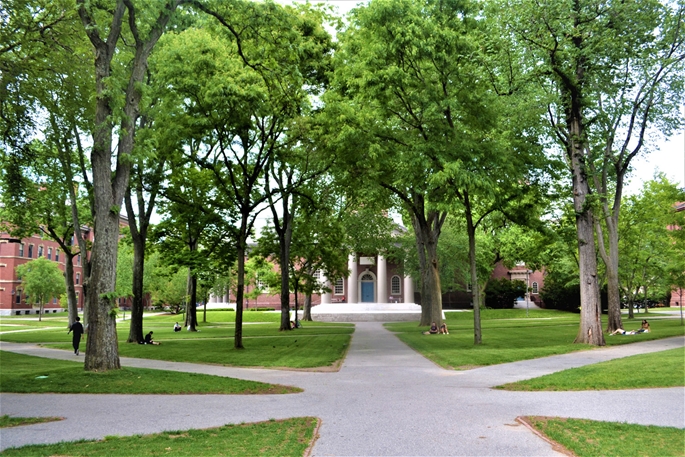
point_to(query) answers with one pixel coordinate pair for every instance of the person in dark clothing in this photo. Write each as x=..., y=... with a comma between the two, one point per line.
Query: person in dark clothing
x=148, y=339
x=77, y=328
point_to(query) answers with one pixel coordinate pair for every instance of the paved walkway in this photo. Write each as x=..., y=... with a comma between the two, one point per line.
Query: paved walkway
x=386, y=400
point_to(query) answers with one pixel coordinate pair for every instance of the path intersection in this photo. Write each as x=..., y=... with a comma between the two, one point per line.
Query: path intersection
x=386, y=400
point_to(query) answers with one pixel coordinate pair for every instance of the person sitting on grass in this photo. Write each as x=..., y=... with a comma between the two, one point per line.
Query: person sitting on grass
x=443, y=329
x=177, y=328
x=643, y=329
x=433, y=330
x=148, y=339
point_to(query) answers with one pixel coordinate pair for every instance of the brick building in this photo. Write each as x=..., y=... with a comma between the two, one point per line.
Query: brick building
x=14, y=252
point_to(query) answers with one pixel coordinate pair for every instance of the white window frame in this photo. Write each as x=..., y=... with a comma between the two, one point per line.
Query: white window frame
x=534, y=288
x=339, y=286
x=395, y=289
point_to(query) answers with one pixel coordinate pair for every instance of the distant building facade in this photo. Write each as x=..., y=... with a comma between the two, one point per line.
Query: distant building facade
x=18, y=252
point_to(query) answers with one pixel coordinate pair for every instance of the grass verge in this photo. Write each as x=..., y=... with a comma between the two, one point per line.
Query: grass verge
x=290, y=437
x=591, y=438
x=659, y=369
x=7, y=421
x=509, y=336
x=315, y=346
x=26, y=374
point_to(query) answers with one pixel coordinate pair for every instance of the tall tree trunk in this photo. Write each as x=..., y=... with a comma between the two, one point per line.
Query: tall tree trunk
x=138, y=227
x=426, y=233
x=475, y=288
x=102, y=352
x=72, y=305
x=285, y=236
x=135, y=332
x=240, y=284
x=307, y=308
x=590, y=330
x=191, y=309
x=610, y=259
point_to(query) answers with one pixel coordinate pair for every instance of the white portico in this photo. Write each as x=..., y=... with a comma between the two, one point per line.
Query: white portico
x=371, y=280
x=374, y=288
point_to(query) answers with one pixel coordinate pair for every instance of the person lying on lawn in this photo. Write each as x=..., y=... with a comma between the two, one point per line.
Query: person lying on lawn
x=643, y=329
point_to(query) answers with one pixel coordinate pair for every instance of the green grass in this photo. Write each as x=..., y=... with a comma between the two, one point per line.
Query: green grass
x=660, y=369
x=290, y=437
x=594, y=438
x=6, y=421
x=315, y=345
x=509, y=336
x=27, y=374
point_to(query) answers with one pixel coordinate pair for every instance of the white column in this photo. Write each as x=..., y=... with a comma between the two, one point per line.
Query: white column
x=352, y=294
x=408, y=289
x=382, y=278
x=326, y=296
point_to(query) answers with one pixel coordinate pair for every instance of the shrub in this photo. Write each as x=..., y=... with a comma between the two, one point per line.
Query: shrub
x=501, y=293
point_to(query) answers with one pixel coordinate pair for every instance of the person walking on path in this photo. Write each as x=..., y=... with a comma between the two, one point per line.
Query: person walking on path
x=77, y=328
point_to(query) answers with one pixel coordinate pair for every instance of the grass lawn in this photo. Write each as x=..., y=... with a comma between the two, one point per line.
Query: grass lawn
x=658, y=369
x=6, y=421
x=315, y=345
x=508, y=336
x=593, y=438
x=290, y=437
x=27, y=374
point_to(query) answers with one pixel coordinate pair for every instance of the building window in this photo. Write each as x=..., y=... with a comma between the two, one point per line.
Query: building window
x=78, y=260
x=317, y=276
x=468, y=287
x=21, y=250
x=40, y=251
x=54, y=300
x=49, y=253
x=56, y=255
x=78, y=279
x=30, y=251
x=17, y=299
x=339, y=286
x=395, y=285
x=535, y=287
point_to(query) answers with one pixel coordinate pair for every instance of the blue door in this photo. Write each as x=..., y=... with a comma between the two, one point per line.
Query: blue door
x=367, y=292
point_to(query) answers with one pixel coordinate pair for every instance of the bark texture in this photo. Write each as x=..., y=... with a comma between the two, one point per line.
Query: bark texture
x=427, y=232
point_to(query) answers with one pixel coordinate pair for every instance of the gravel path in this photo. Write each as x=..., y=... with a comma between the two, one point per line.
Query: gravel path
x=386, y=400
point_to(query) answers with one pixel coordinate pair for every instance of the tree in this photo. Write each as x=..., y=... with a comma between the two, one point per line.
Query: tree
x=646, y=242
x=601, y=88
x=407, y=99
x=240, y=90
x=41, y=279
x=43, y=79
x=194, y=232
x=318, y=244
x=109, y=187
